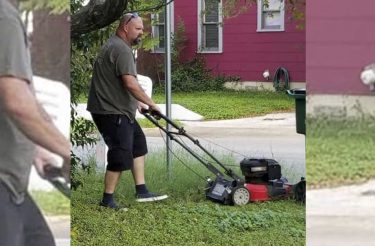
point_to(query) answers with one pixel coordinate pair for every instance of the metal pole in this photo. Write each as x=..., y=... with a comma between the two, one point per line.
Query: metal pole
x=168, y=69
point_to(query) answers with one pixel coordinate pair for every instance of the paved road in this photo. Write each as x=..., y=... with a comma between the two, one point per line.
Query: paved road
x=341, y=216
x=340, y=230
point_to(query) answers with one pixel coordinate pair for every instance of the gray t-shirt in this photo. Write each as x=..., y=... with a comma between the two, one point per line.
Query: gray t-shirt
x=107, y=94
x=16, y=151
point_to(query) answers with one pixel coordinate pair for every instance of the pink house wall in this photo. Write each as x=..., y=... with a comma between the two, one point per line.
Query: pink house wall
x=340, y=42
x=188, y=13
x=246, y=52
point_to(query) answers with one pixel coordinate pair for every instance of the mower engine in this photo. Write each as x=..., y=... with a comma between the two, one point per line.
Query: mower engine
x=263, y=182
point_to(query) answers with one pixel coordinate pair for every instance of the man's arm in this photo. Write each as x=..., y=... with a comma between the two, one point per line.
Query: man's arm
x=20, y=104
x=132, y=85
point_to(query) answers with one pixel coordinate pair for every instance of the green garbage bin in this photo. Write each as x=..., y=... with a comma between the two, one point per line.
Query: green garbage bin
x=300, y=97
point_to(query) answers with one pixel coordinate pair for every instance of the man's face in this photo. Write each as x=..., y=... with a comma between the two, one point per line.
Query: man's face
x=134, y=30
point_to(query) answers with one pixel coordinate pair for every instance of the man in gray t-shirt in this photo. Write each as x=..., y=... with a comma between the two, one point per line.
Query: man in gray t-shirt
x=114, y=97
x=26, y=136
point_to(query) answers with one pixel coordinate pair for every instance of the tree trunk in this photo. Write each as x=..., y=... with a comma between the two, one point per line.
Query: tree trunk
x=95, y=15
x=50, y=49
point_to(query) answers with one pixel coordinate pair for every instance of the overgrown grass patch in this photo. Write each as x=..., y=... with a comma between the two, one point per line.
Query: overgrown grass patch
x=52, y=202
x=339, y=151
x=186, y=218
x=230, y=104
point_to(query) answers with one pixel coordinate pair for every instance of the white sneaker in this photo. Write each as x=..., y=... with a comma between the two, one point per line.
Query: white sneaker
x=150, y=197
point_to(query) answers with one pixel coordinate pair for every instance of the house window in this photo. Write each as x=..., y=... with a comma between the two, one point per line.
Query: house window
x=158, y=25
x=270, y=15
x=210, y=30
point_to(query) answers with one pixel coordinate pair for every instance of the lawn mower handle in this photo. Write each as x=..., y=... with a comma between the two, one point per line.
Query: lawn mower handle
x=157, y=115
x=54, y=175
x=154, y=116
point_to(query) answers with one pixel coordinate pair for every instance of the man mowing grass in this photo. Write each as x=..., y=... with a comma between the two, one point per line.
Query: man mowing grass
x=27, y=137
x=114, y=97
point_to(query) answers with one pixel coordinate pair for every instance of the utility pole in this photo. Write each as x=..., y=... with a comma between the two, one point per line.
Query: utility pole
x=168, y=83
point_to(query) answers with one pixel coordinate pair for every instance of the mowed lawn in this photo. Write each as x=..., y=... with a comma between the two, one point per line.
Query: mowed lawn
x=51, y=202
x=227, y=104
x=186, y=218
x=339, y=152
x=231, y=104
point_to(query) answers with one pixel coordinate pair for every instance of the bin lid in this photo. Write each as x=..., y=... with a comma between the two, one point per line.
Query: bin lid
x=299, y=93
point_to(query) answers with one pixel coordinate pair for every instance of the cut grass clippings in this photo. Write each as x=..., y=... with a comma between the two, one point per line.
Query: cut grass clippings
x=185, y=218
x=339, y=152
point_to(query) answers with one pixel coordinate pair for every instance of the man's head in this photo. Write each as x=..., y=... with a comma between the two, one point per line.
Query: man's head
x=130, y=28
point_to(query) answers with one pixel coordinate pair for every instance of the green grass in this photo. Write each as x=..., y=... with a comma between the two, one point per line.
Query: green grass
x=52, y=202
x=339, y=152
x=145, y=123
x=186, y=218
x=231, y=104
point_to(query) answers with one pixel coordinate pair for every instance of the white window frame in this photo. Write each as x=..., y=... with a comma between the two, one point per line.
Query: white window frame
x=261, y=12
x=201, y=9
x=155, y=30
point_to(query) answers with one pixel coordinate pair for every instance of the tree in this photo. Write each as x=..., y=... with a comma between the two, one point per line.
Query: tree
x=101, y=13
x=50, y=37
x=54, y=6
x=95, y=15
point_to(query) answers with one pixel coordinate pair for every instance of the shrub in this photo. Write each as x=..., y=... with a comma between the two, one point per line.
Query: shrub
x=193, y=75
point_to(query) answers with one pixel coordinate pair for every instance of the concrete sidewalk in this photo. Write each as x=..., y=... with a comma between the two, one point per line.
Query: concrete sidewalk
x=178, y=112
x=269, y=121
x=60, y=227
x=341, y=216
x=192, y=119
x=353, y=200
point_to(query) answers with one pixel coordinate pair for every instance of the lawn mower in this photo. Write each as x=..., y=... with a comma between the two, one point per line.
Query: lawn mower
x=263, y=180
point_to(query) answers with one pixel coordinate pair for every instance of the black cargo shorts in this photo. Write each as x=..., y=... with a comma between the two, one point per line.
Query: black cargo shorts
x=124, y=138
x=22, y=224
